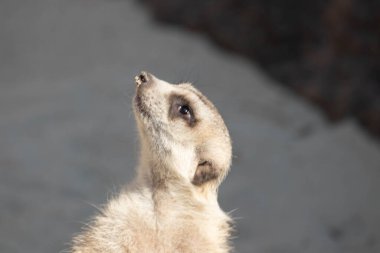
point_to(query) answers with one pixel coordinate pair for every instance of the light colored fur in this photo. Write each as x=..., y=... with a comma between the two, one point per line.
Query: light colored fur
x=162, y=211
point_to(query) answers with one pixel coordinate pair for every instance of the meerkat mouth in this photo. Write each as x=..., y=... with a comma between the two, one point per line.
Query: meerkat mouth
x=141, y=80
x=141, y=107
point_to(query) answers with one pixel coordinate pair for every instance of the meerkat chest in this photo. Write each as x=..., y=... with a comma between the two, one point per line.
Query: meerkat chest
x=193, y=233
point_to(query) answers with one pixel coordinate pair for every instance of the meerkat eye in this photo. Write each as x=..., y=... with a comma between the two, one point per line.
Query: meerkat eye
x=179, y=107
x=184, y=109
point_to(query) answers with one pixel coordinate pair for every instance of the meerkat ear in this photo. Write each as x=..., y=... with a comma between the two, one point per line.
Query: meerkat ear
x=204, y=173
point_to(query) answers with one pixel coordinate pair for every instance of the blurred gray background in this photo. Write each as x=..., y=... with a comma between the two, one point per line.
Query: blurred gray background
x=68, y=139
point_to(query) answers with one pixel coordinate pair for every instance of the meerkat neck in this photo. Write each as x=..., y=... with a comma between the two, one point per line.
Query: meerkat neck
x=158, y=170
x=161, y=182
x=157, y=176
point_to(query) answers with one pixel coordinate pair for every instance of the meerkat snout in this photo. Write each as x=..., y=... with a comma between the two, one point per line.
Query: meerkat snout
x=142, y=78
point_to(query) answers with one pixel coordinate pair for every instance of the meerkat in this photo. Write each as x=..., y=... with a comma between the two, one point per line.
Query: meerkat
x=172, y=204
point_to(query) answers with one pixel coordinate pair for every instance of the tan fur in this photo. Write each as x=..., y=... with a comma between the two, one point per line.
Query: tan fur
x=172, y=204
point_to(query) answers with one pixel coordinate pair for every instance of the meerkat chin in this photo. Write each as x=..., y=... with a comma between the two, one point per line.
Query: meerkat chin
x=172, y=204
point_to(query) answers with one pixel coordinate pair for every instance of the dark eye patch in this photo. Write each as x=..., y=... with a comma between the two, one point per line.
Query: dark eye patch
x=179, y=107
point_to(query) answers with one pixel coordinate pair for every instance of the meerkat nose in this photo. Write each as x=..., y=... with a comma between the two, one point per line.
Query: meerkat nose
x=143, y=78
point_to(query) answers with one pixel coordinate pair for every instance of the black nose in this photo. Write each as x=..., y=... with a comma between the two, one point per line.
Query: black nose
x=143, y=78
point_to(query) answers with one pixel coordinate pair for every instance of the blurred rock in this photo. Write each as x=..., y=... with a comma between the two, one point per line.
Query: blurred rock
x=327, y=51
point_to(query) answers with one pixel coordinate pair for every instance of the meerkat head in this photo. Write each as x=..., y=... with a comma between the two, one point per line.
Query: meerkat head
x=183, y=137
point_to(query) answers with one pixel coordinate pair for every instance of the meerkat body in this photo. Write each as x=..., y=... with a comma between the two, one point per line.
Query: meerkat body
x=172, y=204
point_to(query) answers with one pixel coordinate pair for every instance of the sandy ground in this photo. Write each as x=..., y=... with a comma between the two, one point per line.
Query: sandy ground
x=68, y=140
